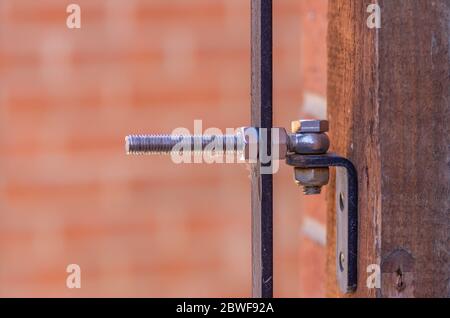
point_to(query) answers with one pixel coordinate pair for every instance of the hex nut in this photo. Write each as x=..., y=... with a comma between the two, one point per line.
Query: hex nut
x=247, y=144
x=309, y=143
x=309, y=126
x=312, y=177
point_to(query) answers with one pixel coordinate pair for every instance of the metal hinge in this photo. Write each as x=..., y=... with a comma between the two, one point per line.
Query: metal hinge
x=306, y=149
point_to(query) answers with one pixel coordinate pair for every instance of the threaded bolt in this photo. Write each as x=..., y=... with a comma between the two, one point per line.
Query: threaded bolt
x=308, y=137
x=164, y=144
x=312, y=190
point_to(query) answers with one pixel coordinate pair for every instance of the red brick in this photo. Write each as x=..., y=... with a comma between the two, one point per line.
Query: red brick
x=143, y=226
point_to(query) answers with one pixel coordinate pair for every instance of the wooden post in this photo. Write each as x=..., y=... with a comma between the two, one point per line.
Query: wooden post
x=261, y=116
x=389, y=112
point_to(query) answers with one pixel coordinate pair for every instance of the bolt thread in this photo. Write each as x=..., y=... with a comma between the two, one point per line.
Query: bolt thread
x=164, y=144
x=311, y=190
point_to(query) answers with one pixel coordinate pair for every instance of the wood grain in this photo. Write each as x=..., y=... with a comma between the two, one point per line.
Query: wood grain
x=389, y=112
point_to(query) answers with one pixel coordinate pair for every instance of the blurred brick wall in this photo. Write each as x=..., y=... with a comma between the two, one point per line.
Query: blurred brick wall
x=143, y=226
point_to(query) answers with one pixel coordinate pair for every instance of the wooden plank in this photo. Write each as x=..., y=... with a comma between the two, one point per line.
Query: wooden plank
x=389, y=97
x=261, y=116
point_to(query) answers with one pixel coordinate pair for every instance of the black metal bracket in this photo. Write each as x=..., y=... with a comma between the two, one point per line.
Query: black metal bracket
x=346, y=213
x=261, y=117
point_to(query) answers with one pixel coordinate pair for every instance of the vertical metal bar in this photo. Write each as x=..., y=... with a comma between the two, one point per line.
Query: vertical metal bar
x=261, y=116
